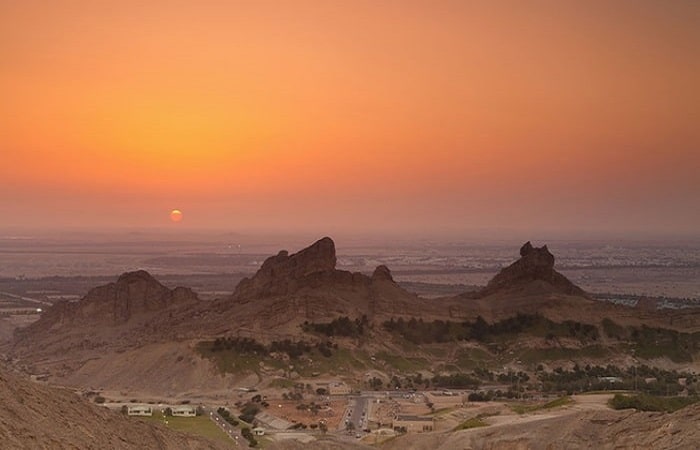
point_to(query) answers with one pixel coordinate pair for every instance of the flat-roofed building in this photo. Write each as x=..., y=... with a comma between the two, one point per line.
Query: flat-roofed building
x=139, y=410
x=184, y=411
x=413, y=424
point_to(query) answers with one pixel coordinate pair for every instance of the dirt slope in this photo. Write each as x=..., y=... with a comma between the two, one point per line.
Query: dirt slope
x=39, y=417
x=618, y=430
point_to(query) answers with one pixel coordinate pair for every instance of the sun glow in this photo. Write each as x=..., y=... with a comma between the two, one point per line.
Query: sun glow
x=176, y=215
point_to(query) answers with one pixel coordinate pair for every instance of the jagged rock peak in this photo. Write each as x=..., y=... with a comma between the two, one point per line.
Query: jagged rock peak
x=536, y=259
x=317, y=257
x=279, y=274
x=526, y=248
x=535, y=263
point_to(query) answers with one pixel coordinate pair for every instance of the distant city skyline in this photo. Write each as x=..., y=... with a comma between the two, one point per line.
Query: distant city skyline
x=413, y=118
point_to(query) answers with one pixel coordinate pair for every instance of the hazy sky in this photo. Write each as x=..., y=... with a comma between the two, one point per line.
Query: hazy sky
x=430, y=116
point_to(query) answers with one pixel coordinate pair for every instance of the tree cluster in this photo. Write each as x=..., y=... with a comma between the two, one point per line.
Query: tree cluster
x=342, y=326
x=440, y=331
x=294, y=349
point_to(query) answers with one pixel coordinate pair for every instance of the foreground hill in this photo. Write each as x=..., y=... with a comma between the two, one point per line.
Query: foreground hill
x=39, y=417
x=599, y=429
x=607, y=430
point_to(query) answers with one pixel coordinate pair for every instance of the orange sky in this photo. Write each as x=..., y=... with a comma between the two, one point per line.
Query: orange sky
x=358, y=116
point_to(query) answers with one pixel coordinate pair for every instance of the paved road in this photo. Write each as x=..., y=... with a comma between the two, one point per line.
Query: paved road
x=359, y=413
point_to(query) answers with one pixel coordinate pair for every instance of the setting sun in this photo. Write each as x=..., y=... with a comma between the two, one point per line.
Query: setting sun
x=176, y=215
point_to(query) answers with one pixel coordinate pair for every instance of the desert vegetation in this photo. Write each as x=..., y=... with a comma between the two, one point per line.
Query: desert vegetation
x=341, y=326
x=646, y=402
x=418, y=331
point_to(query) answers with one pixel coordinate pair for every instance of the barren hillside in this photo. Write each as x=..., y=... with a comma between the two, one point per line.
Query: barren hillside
x=39, y=417
x=608, y=430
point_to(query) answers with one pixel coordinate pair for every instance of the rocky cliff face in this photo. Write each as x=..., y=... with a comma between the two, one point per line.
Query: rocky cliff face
x=306, y=285
x=282, y=273
x=133, y=294
x=535, y=265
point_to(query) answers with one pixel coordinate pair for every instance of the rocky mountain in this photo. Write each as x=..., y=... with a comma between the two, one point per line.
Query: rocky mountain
x=130, y=313
x=139, y=334
x=134, y=297
x=136, y=333
x=531, y=285
x=284, y=274
x=534, y=268
x=39, y=417
x=289, y=289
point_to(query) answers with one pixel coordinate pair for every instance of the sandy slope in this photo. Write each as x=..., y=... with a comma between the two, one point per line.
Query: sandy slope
x=39, y=417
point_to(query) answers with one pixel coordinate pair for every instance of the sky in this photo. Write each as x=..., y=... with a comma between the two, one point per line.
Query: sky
x=422, y=117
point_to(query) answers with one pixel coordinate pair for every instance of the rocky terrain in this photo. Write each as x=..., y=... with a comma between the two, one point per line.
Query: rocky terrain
x=535, y=265
x=39, y=417
x=136, y=333
x=138, y=336
x=289, y=289
x=133, y=301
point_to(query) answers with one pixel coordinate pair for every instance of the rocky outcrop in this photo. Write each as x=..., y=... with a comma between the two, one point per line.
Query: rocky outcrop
x=535, y=265
x=133, y=294
x=307, y=286
x=281, y=274
x=310, y=268
x=133, y=297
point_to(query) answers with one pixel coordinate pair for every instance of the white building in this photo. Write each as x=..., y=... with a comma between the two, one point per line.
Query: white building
x=184, y=411
x=139, y=410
